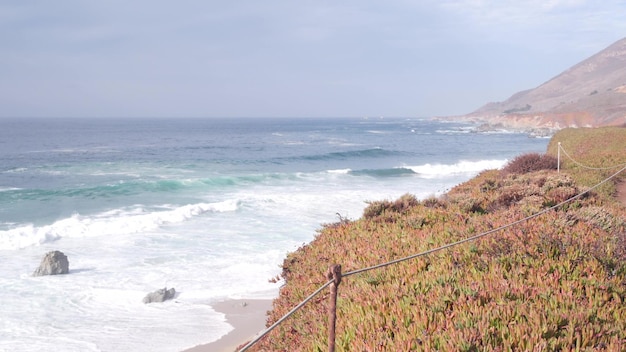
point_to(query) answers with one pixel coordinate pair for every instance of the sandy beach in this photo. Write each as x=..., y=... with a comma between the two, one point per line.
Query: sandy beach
x=247, y=316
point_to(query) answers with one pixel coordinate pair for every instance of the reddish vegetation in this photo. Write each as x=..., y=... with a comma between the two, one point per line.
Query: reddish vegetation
x=530, y=162
x=554, y=282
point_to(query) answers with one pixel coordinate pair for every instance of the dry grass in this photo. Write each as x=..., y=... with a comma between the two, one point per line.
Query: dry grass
x=591, y=147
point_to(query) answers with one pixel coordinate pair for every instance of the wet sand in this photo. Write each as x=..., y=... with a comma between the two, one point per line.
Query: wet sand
x=247, y=316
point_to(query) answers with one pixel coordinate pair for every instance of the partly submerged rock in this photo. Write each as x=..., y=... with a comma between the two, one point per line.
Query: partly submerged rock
x=160, y=295
x=53, y=263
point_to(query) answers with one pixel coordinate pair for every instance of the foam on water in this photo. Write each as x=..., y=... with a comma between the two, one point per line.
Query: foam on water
x=98, y=306
x=113, y=222
x=209, y=207
x=16, y=170
x=462, y=167
x=339, y=171
x=75, y=312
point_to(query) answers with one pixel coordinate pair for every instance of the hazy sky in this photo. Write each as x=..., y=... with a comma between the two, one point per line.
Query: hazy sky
x=288, y=58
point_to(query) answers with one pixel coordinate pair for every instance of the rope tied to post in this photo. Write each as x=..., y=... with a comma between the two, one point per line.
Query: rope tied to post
x=334, y=274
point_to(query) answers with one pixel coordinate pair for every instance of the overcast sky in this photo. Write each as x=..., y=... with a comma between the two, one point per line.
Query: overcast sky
x=319, y=58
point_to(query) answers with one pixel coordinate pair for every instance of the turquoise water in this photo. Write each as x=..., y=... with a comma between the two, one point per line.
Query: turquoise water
x=208, y=206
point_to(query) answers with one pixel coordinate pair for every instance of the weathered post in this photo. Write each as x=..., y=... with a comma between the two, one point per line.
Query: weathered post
x=334, y=273
x=558, y=158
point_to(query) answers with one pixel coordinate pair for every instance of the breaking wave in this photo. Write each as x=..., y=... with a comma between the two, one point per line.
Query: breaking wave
x=114, y=222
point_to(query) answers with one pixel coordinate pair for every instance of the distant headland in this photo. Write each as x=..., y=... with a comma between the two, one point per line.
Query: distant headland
x=591, y=93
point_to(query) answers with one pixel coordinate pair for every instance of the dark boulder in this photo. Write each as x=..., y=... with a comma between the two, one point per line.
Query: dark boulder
x=53, y=263
x=160, y=295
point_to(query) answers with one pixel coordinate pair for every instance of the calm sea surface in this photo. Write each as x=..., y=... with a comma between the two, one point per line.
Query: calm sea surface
x=207, y=206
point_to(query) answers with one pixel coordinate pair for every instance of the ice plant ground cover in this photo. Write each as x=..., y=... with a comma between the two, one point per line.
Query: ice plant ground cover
x=555, y=282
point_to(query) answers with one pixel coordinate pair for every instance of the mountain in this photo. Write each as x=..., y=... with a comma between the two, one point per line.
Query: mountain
x=591, y=93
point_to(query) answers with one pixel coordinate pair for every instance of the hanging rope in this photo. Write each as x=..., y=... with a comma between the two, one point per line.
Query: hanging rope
x=585, y=166
x=291, y=312
x=355, y=272
x=487, y=232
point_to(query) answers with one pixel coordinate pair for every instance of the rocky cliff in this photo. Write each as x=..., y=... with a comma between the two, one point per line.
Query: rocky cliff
x=591, y=93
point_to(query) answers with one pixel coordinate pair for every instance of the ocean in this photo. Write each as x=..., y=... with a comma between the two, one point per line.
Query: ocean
x=209, y=207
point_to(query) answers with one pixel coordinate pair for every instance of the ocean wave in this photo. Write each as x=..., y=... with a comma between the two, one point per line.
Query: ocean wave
x=97, y=149
x=15, y=170
x=462, y=167
x=125, y=188
x=393, y=172
x=339, y=171
x=135, y=187
x=499, y=131
x=460, y=130
x=113, y=222
x=427, y=170
x=361, y=153
x=479, y=130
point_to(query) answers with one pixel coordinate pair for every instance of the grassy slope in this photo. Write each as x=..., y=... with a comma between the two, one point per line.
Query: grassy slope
x=598, y=148
x=556, y=282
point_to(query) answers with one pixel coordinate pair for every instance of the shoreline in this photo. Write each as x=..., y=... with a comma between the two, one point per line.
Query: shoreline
x=246, y=316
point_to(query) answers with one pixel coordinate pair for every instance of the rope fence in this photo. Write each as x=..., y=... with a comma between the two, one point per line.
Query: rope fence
x=335, y=276
x=560, y=149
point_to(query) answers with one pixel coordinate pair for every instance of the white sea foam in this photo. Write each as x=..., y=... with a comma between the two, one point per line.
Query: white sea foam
x=119, y=255
x=16, y=170
x=462, y=167
x=112, y=222
x=115, y=173
x=461, y=130
x=211, y=223
x=500, y=131
x=339, y=171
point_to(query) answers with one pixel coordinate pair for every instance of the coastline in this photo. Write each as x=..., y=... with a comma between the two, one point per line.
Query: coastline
x=246, y=316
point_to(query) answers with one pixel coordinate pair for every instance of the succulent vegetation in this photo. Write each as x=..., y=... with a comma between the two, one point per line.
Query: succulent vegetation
x=556, y=282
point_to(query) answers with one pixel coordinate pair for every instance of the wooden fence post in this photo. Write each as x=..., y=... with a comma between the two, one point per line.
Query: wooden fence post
x=334, y=273
x=558, y=158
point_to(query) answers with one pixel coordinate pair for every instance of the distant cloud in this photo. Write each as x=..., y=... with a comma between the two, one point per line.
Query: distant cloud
x=573, y=23
x=288, y=58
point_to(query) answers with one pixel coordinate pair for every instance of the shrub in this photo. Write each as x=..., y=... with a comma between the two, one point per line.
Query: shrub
x=401, y=206
x=343, y=221
x=404, y=203
x=530, y=162
x=434, y=202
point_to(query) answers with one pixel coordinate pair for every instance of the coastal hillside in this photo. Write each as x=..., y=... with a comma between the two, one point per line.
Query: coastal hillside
x=591, y=93
x=555, y=280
